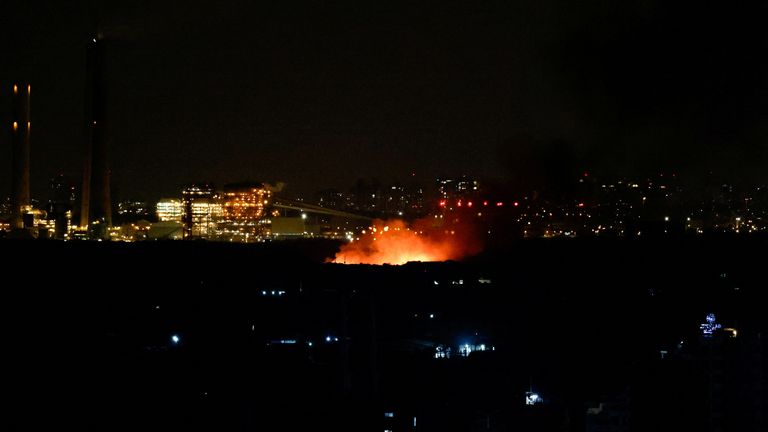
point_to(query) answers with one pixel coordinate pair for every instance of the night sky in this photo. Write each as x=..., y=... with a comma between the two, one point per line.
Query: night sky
x=318, y=94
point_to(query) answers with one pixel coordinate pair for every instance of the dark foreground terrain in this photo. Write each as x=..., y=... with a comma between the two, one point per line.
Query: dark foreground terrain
x=199, y=336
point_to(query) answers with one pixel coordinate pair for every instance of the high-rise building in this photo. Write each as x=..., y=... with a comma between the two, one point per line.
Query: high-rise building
x=375, y=199
x=170, y=210
x=201, y=210
x=21, y=127
x=399, y=200
x=457, y=188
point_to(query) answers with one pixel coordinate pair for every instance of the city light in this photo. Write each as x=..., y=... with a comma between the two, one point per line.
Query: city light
x=244, y=213
x=710, y=326
x=465, y=350
x=170, y=210
x=532, y=398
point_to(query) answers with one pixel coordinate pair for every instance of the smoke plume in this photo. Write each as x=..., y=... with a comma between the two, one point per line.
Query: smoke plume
x=396, y=242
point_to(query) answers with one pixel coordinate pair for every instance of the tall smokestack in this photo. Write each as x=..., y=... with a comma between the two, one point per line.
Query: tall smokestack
x=96, y=204
x=21, y=127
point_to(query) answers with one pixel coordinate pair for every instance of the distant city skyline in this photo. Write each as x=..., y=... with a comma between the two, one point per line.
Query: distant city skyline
x=311, y=94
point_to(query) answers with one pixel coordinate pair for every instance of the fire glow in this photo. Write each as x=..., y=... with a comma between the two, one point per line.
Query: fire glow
x=395, y=242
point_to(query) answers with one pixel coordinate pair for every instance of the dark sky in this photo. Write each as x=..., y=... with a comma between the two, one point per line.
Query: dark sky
x=318, y=94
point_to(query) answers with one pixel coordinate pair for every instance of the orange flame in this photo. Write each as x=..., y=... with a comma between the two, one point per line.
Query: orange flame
x=394, y=242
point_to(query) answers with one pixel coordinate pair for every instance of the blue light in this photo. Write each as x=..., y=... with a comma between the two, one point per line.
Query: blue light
x=710, y=326
x=175, y=339
x=465, y=350
x=532, y=398
x=327, y=338
x=442, y=352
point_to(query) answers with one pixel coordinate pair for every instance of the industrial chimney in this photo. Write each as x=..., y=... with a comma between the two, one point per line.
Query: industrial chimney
x=21, y=126
x=96, y=205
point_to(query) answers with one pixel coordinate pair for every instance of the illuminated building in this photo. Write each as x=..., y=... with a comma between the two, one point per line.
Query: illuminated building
x=5, y=206
x=200, y=211
x=401, y=200
x=60, y=205
x=169, y=210
x=466, y=185
x=132, y=209
x=375, y=199
x=21, y=127
x=461, y=187
x=243, y=209
x=130, y=232
x=46, y=228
